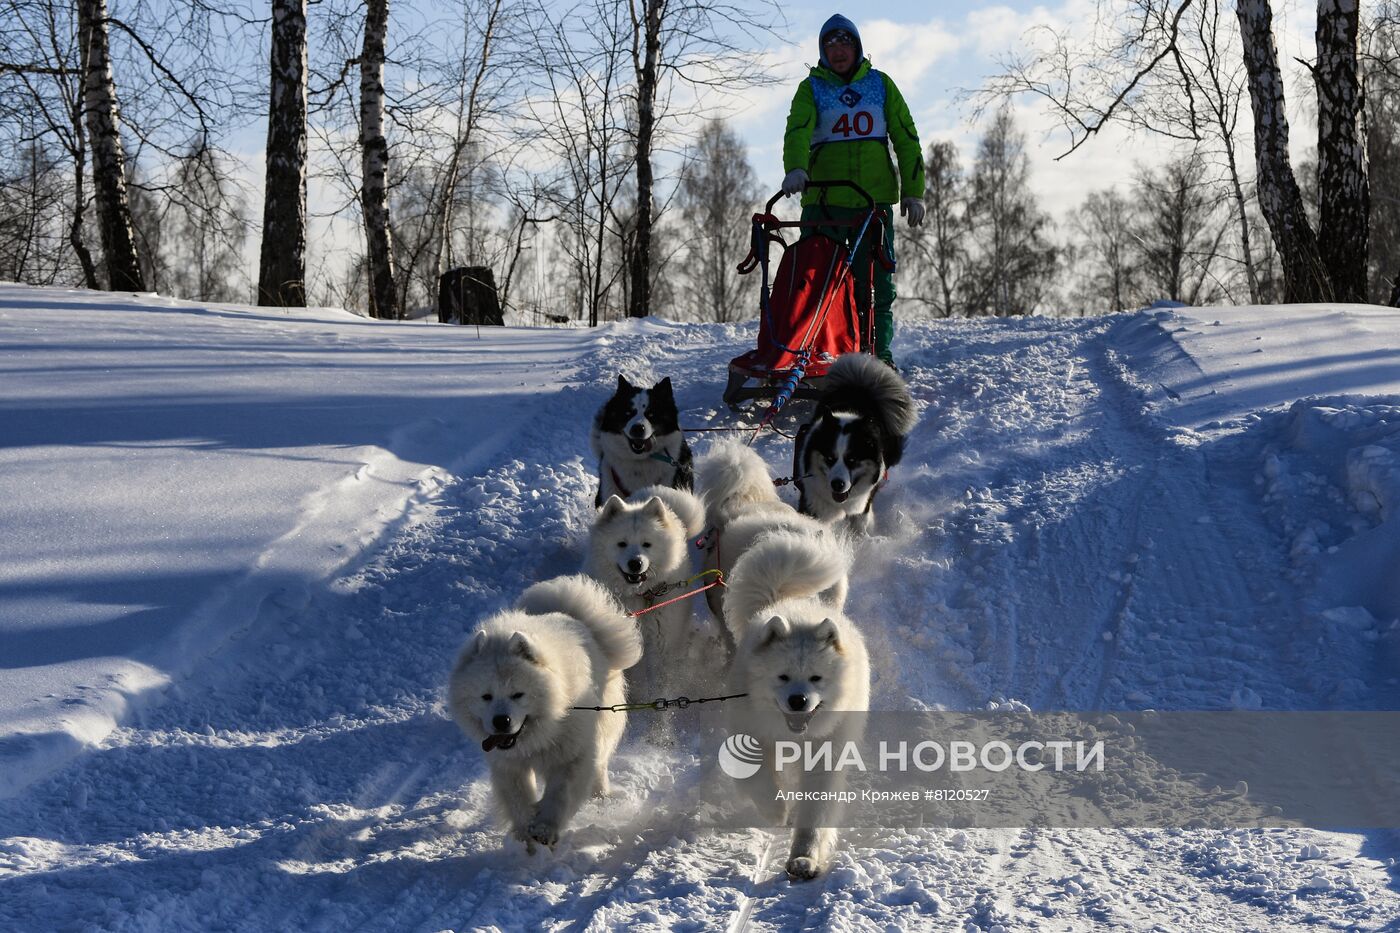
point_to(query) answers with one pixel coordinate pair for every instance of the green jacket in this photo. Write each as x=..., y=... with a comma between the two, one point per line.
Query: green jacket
x=866, y=162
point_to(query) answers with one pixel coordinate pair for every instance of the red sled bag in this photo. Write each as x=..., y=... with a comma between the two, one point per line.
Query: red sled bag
x=808, y=313
x=812, y=304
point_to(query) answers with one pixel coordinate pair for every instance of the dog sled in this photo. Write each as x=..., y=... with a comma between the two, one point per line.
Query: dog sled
x=808, y=309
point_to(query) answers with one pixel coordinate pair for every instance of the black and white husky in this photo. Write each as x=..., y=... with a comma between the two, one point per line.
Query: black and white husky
x=856, y=434
x=637, y=438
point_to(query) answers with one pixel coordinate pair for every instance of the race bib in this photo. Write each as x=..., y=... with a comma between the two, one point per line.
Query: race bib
x=850, y=112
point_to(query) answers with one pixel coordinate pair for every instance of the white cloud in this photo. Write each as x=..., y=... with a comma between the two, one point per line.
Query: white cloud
x=907, y=51
x=995, y=30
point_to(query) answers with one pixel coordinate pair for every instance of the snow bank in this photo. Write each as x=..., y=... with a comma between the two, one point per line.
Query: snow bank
x=1208, y=369
x=257, y=538
x=169, y=471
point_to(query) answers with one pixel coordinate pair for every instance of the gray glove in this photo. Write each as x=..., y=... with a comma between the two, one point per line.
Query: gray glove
x=913, y=208
x=795, y=182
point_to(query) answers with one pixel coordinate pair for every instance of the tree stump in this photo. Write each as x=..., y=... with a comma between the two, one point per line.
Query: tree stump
x=467, y=295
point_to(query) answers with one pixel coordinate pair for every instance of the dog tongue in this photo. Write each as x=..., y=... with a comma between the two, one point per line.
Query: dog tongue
x=492, y=742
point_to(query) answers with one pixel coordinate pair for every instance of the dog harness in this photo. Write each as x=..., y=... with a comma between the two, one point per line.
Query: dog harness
x=622, y=487
x=661, y=589
x=617, y=481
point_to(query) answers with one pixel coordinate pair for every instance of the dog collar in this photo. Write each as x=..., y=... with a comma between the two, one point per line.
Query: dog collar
x=659, y=590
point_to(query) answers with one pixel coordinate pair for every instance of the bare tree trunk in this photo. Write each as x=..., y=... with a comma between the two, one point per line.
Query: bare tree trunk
x=79, y=152
x=1345, y=199
x=1304, y=278
x=646, y=55
x=282, y=267
x=444, y=214
x=1221, y=98
x=516, y=253
x=595, y=295
x=374, y=165
x=944, y=226
x=1395, y=292
x=1246, y=249
x=108, y=158
x=75, y=229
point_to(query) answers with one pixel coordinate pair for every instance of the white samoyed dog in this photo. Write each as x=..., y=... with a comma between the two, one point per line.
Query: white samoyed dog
x=802, y=664
x=641, y=550
x=742, y=507
x=513, y=689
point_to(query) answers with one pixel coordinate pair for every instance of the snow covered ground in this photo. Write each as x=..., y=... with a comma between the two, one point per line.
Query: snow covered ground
x=241, y=547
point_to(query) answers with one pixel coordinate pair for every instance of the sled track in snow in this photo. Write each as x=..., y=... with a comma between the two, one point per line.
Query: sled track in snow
x=398, y=862
x=748, y=899
x=1194, y=536
x=607, y=878
x=598, y=889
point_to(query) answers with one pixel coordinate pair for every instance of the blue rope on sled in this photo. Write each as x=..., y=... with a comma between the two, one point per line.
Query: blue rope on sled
x=789, y=386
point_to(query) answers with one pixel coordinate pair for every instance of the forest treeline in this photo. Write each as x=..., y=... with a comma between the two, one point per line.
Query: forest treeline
x=571, y=149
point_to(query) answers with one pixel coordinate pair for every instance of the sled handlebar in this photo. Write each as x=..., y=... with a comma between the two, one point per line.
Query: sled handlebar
x=834, y=183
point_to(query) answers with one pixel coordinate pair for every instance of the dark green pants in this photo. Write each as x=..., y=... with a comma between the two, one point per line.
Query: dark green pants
x=861, y=266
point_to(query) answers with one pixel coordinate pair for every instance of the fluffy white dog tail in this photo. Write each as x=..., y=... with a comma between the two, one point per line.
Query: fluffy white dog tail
x=865, y=374
x=683, y=504
x=582, y=598
x=784, y=565
x=732, y=476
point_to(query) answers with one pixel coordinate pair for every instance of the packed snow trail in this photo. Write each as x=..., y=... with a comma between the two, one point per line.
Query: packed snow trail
x=166, y=469
x=1051, y=539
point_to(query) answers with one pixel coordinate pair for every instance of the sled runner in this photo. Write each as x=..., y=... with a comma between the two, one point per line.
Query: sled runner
x=808, y=312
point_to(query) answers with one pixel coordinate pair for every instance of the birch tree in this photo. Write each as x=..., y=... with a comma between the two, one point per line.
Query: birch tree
x=282, y=265
x=1382, y=120
x=1177, y=231
x=690, y=45
x=43, y=68
x=1280, y=198
x=109, y=170
x=718, y=188
x=444, y=103
x=646, y=53
x=1142, y=54
x=374, y=164
x=1014, y=263
x=60, y=65
x=1105, y=225
x=941, y=243
x=577, y=116
x=1209, y=66
x=476, y=100
x=1344, y=201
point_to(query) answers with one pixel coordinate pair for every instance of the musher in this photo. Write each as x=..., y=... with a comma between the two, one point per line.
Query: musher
x=844, y=120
